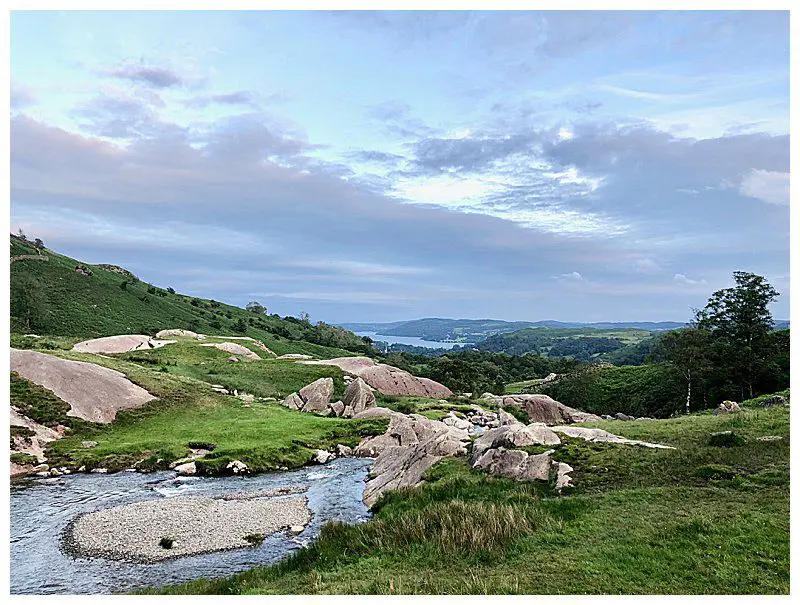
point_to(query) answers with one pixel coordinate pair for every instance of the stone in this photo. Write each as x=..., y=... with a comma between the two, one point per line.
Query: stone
x=541, y=408
x=506, y=418
x=120, y=344
x=94, y=393
x=294, y=402
x=177, y=332
x=452, y=420
x=233, y=359
x=237, y=467
x=516, y=464
x=601, y=436
x=295, y=356
x=189, y=468
x=233, y=349
x=387, y=379
x=624, y=417
x=514, y=435
x=321, y=456
x=727, y=407
x=99, y=471
x=82, y=469
x=774, y=400
x=375, y=412
x=359, y=396
x=769, y=438
x=343, y=451
x=562, y=475
x=296, y=529
x=338, y=408
x=318, y=393
x=88, y=444
x=40, y=468
x=247, y=397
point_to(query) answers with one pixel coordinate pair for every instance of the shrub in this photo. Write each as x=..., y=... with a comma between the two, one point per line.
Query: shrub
x=171, y=290
x=166, y=542
x=726, y=439
x=254, y=539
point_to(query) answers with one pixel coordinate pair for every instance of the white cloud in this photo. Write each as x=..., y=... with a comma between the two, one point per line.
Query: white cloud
x=647, y=266
x=574, y=278
x=681, y=279
x=767, y=186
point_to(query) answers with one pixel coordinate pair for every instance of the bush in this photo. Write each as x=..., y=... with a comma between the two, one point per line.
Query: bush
x=254, y=539
x=171, y=290
x=166, y=542
x=726, y=439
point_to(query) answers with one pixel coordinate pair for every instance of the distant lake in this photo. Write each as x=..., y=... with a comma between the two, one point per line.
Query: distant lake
x=415, y=341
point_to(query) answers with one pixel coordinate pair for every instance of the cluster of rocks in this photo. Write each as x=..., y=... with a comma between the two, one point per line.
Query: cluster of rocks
x=316, y=398
x=624, y=417
x=410, y=446
x=482, y=418
x=775, y=400
x=727, y=407
x=387, y=379
x=83, y=270
x=542, y=408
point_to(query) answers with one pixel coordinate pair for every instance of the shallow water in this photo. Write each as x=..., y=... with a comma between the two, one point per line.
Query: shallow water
x=40, y=512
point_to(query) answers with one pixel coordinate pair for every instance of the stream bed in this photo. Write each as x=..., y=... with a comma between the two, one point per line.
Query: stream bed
x=41, y=512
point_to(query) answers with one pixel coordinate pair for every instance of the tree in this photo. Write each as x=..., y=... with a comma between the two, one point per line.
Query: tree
x=28, y=302
x=240, y=325
x=688, y=350
x=21, y=235
x=256, y=307
x=38, y=244
x=740, y=323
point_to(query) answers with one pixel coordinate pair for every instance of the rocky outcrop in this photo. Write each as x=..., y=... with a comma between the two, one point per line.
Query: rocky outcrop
x=29, y=438
x=774, y=400
x=601, y=436
x=541, y=408
x=409, y=447
x=120, y=344
x=316, y=398
x=233, y=349
x=179, y=333
x=514, y=435
x=387, y=379
x=295, y=356
x=727, y=407
x=93, y=392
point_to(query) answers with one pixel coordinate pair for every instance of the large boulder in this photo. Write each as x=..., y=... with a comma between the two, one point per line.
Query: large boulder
x=93, y=392
x=179, y=333
x=542, y=408
x=317, y=395
x=233, y=348
x=727, y=407
x=516, y=464
x=387, y=379
x=358, y=397
x=513, y=435
x=120, y=344
x=774, y=400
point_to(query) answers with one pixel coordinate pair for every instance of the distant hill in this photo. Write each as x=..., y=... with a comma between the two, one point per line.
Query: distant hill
x=476, y=330
x=71, y=298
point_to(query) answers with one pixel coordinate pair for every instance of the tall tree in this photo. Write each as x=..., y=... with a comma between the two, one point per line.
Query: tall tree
x=740, y=322
x=688, y=350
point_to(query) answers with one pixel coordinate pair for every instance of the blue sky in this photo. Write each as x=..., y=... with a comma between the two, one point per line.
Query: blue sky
x=377, y=166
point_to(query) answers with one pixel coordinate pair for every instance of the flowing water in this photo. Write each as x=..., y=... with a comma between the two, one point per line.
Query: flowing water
x=41, y=511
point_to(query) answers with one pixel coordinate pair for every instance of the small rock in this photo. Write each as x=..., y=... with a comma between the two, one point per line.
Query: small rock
x=54, y=472
x=88, y=444
x=774, y=400
x=770, y=438
x=99, y=471
x=321, y=456
x=625, y=417
x=82, y=469
x=237, y=467
x=40, y=468
x=296, y=529
x=343, y=451
x=233, y=359
x=190, y=468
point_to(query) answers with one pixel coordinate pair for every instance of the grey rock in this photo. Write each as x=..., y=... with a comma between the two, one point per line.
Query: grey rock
x=774, y=400
x=294, y=402
x=237, y=467
x=516, y=464
x=727, y=407
x=189, y=468
x=625, y=417
x=338, y=408
x=88, y=444
x=359, y=396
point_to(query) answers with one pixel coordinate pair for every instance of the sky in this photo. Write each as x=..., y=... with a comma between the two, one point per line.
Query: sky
x=382, y=166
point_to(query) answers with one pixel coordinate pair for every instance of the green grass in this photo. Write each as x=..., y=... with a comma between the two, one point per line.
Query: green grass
x=695, y=520
x=265, y=436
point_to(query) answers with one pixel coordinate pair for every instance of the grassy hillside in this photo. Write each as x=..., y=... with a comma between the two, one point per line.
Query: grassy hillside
x=70, y=303
x=700, y=519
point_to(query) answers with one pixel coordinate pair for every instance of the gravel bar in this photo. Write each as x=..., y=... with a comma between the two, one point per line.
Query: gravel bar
x=195, y=524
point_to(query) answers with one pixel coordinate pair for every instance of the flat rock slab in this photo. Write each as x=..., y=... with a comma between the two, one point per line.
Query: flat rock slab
x=195, y=524
x=93, y=392
x=601, y=436
x=387, y=379
x=179, y=333
x=120, y=344
x=233, y=349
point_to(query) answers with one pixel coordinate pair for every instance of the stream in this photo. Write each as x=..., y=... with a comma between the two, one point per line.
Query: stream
x=41, y=511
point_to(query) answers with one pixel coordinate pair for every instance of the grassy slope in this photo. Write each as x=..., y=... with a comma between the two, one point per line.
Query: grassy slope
x=264, y=435
x=698, y=519
x=88, y=307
